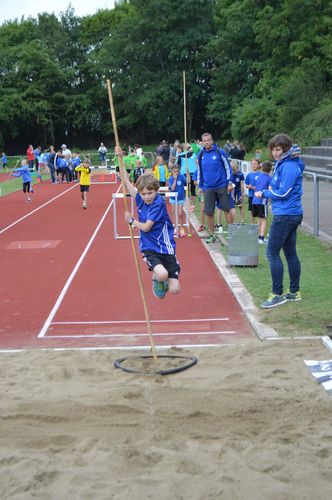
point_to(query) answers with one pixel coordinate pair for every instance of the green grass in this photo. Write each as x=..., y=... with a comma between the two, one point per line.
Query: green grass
x=307, y=317
x=14, y=184
x=310, y=316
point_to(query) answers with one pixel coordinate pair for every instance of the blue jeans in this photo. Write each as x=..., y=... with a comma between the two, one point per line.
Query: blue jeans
x=283, y=236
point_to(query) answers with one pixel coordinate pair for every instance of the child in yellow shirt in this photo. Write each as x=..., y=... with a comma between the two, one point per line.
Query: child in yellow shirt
x=84, y=171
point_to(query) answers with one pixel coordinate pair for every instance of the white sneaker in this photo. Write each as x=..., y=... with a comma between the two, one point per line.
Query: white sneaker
x=220, y=229
x=84, y=205
x=261, y=242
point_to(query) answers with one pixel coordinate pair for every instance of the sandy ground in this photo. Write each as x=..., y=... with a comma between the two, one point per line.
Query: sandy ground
x=247, y=422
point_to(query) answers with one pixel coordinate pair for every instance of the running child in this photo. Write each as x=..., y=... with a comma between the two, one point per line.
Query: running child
x=156, y=233
x=84, y=171
x=259, y=205
x=24, y=172
x=3, y=160
x=177, y=183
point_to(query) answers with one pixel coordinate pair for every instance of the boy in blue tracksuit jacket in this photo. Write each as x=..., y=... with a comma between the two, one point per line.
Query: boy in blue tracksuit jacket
x=214, y=179
x=285, y=193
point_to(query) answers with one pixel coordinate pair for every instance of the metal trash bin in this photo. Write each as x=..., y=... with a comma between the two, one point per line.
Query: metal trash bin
x=243, y=245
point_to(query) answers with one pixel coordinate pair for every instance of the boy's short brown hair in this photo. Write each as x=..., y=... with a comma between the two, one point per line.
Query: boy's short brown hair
x=266, y=166
x=148, y=181
x=281, y=140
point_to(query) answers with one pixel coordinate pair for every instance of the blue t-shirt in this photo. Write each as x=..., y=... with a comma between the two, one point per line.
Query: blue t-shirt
x=179, y=188
x=252, y=179
x=237, y=178
x=160, y=238
x=263, y=182
x=190, y=162
x=76, y=161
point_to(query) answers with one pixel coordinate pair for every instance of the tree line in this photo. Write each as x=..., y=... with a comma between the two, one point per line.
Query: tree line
x=252, y=67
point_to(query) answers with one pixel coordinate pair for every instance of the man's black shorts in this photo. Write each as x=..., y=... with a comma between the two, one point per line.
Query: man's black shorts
x=213, y=195
x=259, y=211
x=84, y=187
x=169, y=262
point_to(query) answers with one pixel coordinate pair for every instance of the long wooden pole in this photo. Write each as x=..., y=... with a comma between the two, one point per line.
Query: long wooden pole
x=138, y=269
x=186, y=152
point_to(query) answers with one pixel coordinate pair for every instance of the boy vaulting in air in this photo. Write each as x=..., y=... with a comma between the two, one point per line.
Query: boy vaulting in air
x=156, y=233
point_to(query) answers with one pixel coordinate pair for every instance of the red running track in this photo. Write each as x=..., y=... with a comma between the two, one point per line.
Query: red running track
x=66, y=282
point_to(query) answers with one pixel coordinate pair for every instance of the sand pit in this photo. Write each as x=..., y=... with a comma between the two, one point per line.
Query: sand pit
x=247, y=422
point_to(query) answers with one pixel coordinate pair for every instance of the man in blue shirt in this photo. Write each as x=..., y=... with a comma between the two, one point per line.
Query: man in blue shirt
x=214, y=180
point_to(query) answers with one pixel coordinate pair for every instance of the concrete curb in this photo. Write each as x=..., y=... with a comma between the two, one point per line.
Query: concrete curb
x=263, y=332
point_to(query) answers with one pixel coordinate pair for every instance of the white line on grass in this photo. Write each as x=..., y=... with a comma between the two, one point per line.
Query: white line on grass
x=71, y=277
x=36, y=209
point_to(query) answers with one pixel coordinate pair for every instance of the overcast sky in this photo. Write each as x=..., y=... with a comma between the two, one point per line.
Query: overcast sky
x=11, y=9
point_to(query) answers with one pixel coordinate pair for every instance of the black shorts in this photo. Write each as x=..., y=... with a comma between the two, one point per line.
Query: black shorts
x=169, y=262
x=84, y=187
x=26, y=187
x=259, y=211
x=212, y=195
x=250, y=203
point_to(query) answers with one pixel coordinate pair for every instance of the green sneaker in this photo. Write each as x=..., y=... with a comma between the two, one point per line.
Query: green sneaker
x=211, y=239
x=158, y=288
x=273, y=300
x=293, y=297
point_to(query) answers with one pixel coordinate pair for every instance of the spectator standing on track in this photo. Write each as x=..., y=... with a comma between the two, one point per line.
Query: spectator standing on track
x=187, y=161
x=66, y=153
x=102, y=151
x=51, y=163
x=176, y=183
x=138, y=170
x=76, y=161
x=250, y=182
x=30, y=157
x=156, y=233
x=24, y=172
x=42, y=161
x=165, y=151
x=173, y=151
x=259, y=204
x=286, y=195
x=84, y=171
x=214, y=178
x=37, y=152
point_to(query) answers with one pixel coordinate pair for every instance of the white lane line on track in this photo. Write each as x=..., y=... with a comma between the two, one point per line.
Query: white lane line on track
x=38, y=208
x=71, y=277
x=186, y=320
x=128, y=335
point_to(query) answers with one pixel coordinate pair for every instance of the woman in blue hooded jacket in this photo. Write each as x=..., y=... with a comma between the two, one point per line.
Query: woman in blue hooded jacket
x=286, y=195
